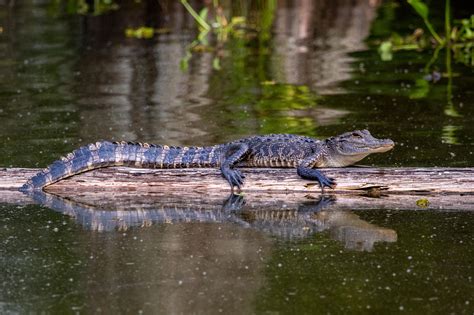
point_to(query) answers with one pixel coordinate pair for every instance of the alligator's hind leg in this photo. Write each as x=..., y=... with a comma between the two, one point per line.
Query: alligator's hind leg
x=233, y=154
x=306, y=171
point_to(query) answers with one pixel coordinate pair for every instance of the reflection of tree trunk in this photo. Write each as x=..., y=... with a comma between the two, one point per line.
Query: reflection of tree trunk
x=135, y=91
x=313, y=39
x=175, y=269
x=218, y=271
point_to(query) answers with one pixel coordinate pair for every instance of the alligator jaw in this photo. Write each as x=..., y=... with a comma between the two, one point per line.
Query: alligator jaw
x=351, y=147
x=384, y=146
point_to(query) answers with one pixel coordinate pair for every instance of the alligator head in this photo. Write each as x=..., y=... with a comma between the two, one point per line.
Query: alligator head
x=351, y=147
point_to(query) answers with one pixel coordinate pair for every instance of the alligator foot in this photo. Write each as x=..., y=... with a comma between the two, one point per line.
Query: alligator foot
x=234, y=177
x=313, y=174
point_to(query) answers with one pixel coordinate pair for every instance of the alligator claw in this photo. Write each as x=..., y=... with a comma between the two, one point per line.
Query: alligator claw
x=326, y=182
x=313, y=174
x=234, y=177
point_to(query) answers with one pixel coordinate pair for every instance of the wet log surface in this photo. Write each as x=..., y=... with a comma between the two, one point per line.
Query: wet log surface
x=349, y=180
x=358, y=188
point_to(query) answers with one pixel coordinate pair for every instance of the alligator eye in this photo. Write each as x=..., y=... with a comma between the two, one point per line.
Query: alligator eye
x=356, y=135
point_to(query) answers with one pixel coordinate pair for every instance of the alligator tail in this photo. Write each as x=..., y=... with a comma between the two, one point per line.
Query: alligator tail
x=105, y=153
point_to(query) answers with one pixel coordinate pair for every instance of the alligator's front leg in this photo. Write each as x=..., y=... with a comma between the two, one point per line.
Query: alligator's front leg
x=306, y=171
x=233, y=155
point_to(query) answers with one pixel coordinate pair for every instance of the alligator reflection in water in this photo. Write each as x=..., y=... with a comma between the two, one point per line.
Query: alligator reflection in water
x=289, y=221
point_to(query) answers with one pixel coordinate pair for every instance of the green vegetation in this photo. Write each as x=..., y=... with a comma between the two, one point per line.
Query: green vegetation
x=457, y=42
x=82, y=7
x=216, y=28
x=140, y=32
x=458, y=36
x=212, y=20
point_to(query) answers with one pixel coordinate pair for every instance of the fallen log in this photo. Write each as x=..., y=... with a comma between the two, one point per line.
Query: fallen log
x=120, y=189
x=128, y=200
x=351, y=180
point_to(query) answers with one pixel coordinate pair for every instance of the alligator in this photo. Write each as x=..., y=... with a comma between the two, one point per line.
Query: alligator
x=274, y=150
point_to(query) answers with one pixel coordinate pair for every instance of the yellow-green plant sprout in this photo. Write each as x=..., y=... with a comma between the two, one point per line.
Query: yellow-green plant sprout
x=141, y=32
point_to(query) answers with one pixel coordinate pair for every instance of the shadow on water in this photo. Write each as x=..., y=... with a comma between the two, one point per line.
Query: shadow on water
x=115, y=213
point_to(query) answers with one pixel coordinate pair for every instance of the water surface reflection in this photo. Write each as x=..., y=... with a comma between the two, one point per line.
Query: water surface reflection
x=111, y=252
x=121, y=212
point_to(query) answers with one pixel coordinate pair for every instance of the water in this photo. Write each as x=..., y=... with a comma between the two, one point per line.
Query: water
x=67, y=80
x=55, y=263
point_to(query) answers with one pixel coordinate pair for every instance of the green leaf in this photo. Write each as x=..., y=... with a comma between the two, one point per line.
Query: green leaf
x=203, y=14
x=420, y=8
x=238, y=20
x=423, y=11
x=216, y=64
x=202, y=22
x=420, y=90
x=184, y=63
x=385, y=51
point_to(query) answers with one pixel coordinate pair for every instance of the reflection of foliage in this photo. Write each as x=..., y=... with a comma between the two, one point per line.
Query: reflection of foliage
x=458, y=37
x=215, y=21
x=252, y=102
x=217, y=25
x=141, y=32
x=457, y=40
x=449, y=134
x=83, y=7
x=287, y=96
x=212, y=20
x=144, y=32
x=284, y=106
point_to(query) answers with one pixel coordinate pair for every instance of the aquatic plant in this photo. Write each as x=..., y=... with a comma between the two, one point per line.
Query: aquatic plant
x=97, y=7
x=212, y=20
x=455, y=43
x=458, y=36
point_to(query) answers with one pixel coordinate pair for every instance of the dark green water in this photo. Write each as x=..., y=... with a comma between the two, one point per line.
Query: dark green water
x=67, y=80
x=51, y=263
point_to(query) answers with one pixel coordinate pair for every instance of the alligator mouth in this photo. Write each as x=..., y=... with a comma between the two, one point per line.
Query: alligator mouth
x=383, y=146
